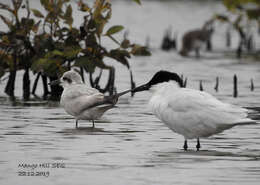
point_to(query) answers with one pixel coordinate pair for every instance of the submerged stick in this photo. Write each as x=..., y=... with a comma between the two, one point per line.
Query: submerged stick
x=239, y=50
x=133, y=85
x=185, y=82
x=201, y=87
x=252, y=87
x=217, y=84
x=82, y=74
x=235, y=92
x=228, y=39
x=26, y=85
x=45, y=86
x=249, y=44
x=35, y=83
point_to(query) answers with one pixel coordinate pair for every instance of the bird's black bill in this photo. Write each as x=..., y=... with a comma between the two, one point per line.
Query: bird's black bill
x=144, y=87
x=55, y=82
x=124, y=92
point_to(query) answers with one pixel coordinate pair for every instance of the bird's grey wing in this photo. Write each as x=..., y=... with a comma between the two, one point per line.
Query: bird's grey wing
x=84, y=102
x=80, y=97
x=112, y=99
x=83, y=99
x=78, y=90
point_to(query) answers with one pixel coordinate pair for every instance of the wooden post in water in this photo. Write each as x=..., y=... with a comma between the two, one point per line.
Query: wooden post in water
x=239, y=50
x=185, y=82
x=228, y=38
x=35, y=83
x=26, y=85
x=175, y=40
x=82, y=74
x=45, y=86
x=235, y=92
x=217, y=84
x=201, y=87
x=252, y=87
x=249, y=44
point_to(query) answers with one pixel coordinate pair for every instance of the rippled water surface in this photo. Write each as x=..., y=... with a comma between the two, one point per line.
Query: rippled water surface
x=130, y=145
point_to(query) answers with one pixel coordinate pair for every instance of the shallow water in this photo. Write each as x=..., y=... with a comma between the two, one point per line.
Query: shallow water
x=130, y=145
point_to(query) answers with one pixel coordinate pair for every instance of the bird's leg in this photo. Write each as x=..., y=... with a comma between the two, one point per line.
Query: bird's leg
x=198, y=144
x=93, y=124
x=185, y=146
x=76, y=123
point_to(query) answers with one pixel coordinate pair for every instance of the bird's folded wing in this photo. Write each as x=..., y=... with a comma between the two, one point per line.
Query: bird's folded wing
x=200, y=114
x=78, y=90
x=81, y=97
x=112, y=99
x=85, y=102
x=205, y=108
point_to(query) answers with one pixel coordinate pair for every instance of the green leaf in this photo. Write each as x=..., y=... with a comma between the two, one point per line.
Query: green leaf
x=125, y=44
x=83, y=7
x=137, y=1
x=253, y=13
x=37, y=13
x=114, y=29
x=46, y=4
x=68, y=15
x=54, y=53
x=72, y=52
x=36, y=26
x=49, y=66
x=121, y=56
x=27, y=23
x=138, y=50
x=86, y=62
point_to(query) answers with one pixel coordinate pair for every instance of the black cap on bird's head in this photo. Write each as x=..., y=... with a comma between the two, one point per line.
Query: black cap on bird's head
x=160, y=77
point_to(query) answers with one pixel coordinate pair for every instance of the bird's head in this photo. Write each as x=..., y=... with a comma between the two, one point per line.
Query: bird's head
x=68, y=78
x=158, y=78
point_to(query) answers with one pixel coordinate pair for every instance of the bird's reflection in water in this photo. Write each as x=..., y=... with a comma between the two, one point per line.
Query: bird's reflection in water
x=82, y=131
x=189, y=156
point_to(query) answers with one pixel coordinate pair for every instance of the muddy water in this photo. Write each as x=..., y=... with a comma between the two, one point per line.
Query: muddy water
x=40, y=145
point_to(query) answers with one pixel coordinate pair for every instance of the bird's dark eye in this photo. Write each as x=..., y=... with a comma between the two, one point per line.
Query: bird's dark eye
x=66, y=79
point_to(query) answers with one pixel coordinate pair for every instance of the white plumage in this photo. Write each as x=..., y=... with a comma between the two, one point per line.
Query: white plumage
x=189, y=112
x=193, y=113
x=77, y=100
x=82, y=101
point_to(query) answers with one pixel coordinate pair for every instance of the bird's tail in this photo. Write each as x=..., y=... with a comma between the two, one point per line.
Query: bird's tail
x=245, y=121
